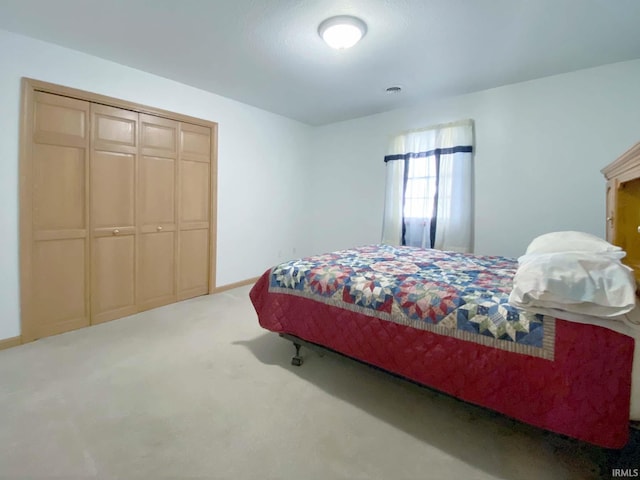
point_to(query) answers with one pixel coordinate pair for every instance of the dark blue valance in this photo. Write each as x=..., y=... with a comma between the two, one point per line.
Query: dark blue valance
x=430, y=153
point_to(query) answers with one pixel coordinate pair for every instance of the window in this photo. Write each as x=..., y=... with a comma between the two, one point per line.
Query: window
x=420, y=192
x=428, y=197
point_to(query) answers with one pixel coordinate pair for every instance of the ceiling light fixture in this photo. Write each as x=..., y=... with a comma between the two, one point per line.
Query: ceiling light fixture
x=342, y=32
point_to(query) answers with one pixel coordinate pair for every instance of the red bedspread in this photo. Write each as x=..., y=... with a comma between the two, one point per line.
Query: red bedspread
x=584, y=392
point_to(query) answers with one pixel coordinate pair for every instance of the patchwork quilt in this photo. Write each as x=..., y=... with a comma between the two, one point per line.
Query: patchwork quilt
x=441, y=319
x=454, y=294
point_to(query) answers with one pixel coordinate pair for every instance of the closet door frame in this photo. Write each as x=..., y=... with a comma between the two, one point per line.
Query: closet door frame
x=29, y=89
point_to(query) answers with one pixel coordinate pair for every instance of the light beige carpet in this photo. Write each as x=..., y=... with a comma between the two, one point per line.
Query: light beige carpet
x=197, y=390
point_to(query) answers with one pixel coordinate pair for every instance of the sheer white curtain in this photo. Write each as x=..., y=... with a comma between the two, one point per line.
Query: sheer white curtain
x=428, y=198
x=394, y=194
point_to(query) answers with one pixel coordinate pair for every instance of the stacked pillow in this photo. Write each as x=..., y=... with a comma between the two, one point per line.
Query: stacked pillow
x=574, y=272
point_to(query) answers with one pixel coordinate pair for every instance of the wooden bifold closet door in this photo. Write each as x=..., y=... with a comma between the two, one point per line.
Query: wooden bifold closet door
x=194, y=214
x=57, y=267
x=157, y=194
x=114, y=161
x=116, y=212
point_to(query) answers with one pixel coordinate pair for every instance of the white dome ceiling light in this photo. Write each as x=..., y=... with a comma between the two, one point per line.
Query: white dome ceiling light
x=342, y=32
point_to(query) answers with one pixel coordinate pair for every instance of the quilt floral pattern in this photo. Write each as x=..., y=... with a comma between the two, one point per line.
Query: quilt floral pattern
x=449, y=293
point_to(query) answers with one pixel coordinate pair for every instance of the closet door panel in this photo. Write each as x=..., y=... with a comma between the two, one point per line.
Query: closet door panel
x=157, y=269
x=113, y=189
x=114, y=284
x=60, y=120
x=59, y=187
x=113, y=128
x=157, y=225
x=194, y=229
x=194, y=263
x=194, y=189
x=157, y=191
x=195, y=210
x=113, y=180
x=158, y=136
x=55, y=294
x=195, y=143
x=60, y=290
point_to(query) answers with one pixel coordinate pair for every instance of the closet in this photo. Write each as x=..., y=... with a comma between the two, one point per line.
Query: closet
x=117, y=205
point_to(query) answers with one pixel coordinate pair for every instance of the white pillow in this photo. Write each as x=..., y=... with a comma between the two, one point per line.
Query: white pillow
x=571, y=241
x=581, y=282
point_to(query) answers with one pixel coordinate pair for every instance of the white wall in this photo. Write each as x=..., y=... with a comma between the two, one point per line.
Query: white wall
x=540, y=146
x=260, y=160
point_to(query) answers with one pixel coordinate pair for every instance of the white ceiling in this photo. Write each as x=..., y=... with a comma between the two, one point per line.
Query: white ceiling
x=267, y=53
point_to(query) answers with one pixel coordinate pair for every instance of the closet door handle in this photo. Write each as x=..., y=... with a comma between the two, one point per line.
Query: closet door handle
x=116, y=231
x=159, y=229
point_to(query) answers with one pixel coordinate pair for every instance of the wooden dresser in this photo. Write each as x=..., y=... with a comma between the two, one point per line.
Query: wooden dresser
x=623, y=205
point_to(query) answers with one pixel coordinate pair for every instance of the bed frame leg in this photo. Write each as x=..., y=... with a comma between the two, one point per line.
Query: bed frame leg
x=297, y=359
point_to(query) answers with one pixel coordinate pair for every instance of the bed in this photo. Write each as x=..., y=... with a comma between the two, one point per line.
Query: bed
x=443, y=320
